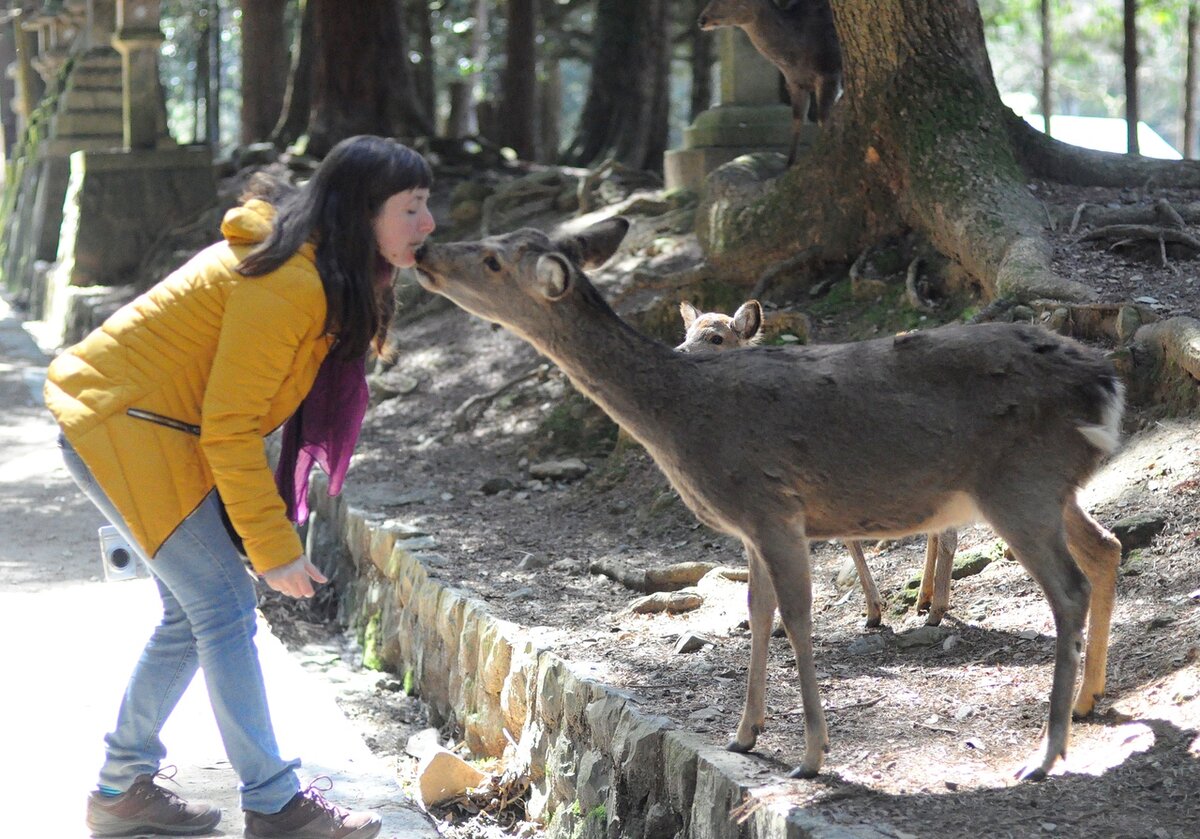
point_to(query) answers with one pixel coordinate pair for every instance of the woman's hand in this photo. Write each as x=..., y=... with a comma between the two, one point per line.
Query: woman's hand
x=296, y=578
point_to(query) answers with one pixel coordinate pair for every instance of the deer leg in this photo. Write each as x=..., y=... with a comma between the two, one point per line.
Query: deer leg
x=825, y=95
x=925, y=596
x=1041, y=547
x=1099, y=555
x=786, y=559
x=944, y=545
x=761, y=601
x=800, y=106
x=870, y=593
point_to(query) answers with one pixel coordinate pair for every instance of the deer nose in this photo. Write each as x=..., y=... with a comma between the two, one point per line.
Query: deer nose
x=421, y=251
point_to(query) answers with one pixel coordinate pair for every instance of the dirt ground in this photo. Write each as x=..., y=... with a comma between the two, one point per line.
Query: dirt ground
x=926, y=728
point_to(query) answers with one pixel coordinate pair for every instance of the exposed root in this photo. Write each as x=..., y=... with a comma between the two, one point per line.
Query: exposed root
x=910, y=288
x=469, y=410
x=1127, y=233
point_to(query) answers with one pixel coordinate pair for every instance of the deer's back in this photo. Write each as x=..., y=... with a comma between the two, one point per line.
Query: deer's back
x=884, y=429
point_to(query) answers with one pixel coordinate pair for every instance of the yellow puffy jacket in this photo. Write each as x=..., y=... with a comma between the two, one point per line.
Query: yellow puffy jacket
x=173, y=395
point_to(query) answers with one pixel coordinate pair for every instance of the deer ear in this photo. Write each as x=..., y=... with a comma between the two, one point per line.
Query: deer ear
x=748, y=319
x=689, y=313
x=551, y=276
x=593, y=246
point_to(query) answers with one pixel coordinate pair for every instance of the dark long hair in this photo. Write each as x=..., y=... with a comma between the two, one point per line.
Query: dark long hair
x=336, y=208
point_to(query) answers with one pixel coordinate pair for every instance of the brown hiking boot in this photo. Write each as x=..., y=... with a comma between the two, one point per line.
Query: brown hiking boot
x=309, y=816
x=148, y=808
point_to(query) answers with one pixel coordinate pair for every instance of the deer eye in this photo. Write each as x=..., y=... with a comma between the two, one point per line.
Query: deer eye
x=492, y=263
x=716, y=339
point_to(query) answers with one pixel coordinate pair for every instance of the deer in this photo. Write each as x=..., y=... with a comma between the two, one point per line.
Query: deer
x=718, y=332
x=884, y=438
x=800, y=40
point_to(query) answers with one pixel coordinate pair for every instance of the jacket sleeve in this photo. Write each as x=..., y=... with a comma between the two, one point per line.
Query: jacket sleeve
x=262, y=330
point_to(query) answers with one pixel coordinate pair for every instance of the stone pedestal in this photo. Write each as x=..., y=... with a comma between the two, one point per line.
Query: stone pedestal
x=751, y=116
x=137, y=39
x=118, y=203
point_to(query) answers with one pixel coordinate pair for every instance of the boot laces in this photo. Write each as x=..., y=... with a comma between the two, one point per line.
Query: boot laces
x=313, y=798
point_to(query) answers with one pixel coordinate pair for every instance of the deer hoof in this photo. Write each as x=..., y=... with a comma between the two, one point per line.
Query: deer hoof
x=1031, y=774
x=934, y=618
x=744, y=743
x=1085, y=706
x=805, y=772
x=873, y=620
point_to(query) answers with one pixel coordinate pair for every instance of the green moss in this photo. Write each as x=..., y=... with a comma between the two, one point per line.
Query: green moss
x=410, y=682
x=599, y=813
x=576, y=425
x=370, y=644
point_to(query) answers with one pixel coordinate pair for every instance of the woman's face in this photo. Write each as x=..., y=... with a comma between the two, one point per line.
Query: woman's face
x=401, y=226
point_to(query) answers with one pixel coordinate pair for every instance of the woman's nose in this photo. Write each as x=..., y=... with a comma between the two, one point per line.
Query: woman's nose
x=427, y=223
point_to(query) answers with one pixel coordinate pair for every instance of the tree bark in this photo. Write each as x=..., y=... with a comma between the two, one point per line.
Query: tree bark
x=298, y=97
x=549, y=107
x=1047, y=67
x=519, y=81
x=702, y=60
x=361, y=83
x=264, y=67
x=625, y=113
x=1191, y=149
x=420, y=31
x=1131, y=84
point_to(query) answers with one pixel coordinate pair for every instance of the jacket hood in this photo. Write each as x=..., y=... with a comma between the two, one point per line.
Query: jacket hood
x=248, y=224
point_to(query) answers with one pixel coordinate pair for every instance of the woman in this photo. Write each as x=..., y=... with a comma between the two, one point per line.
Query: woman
x=163, y=412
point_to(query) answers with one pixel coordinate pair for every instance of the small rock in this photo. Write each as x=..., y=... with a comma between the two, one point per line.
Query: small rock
x=442, y=775
x=867, y=645
x=1138, y=531
x=672, y=602
x=531, y=562
x=708, y=714
x=1028, y=634
x=523, y=593
x=494, y=485
x=1049, y=827
x=422, y=743
x=690, y=642
x=847, y=575
x=968, y=565
x=559, y=470
x=950, y=643
x=922, y=636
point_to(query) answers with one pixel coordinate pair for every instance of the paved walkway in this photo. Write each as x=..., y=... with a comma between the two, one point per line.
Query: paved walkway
x=69, y=641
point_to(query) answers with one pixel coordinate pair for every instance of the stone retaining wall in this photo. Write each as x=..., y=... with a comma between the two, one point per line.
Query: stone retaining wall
x=600, y=767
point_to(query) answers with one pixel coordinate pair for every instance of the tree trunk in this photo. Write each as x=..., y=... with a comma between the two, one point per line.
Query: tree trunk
x=361, y=83
x=212, y=109
x=420, y=30
x=519, y=82
x=549, y=108
x=1191, y=149
x=625, y=113
x=297, y=99
x=702, y=61
x=264, y=67
x=922, y=142
x=1047, y=66
x=202, y=84
x=1131, y=85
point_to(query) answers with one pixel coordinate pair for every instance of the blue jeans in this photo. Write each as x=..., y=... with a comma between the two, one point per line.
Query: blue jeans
x=209, y=620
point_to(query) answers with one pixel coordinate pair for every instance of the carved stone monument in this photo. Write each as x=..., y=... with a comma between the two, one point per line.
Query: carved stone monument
x=751, y=116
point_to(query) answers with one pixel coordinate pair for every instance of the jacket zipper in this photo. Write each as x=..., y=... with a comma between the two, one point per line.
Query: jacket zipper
x=178, y=425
